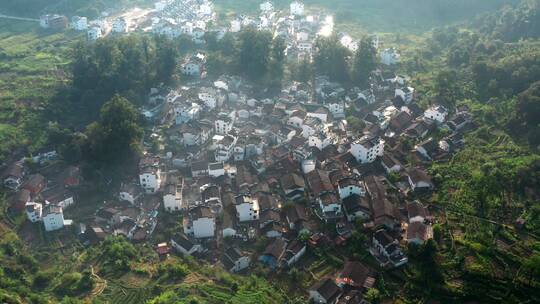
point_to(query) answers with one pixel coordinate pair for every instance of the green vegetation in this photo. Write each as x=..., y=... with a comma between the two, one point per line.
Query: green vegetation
x=404, y=16
x=88, y=8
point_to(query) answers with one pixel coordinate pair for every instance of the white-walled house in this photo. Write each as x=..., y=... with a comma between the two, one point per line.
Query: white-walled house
x=210, y=97
x=350, y=186
x=297, y=8
x=149, y=174
x=225, y=148
x=184, y=245
x=266, y=7
x=437, y=113
x=186, y=113
x=79, y=23
x=406, y=94
x=53, y=217
x=224, y=123
x=366, y=150
x=216, y=169
x=172, y=196
x=34, y=212
x=390, y=56
x=120, y=25
x=236, y=26
x=203, y=222
x=247, y=208
x=234, y=261
x=129, y=192
x=94, y=33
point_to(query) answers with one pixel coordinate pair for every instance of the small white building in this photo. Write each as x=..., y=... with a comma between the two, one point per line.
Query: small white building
x=94, y=33
x=350, y=186
x=120, y=25
x=266, y=7
x=390, y=56
x=34, y=211
x=297, y=8
x=129, y=192
x=203, y=222
x=437, y=113
x=224, y=124
x=406, y=94
x=236, y=26
x=225, y=148
x=186, y=113
x=172, y=195
x=247, y=208
x=53, y=217
x=149, y=174
x=216, y=169
x=79, y=23
x=366, y=150
x=184, y=245
x=209, y=97
x=234, y=261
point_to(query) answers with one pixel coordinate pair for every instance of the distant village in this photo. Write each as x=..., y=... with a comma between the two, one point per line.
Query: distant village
x=236, y=168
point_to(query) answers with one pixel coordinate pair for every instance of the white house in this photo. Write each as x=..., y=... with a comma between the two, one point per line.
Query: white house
x=79, y=23
x=437, y=113
x=225, y=148
x=120, y=25
x=350, y=186
x=390, y=56
x=184, y=245
x=210, y=97
x=366, y=150
x=216, y=169
x=234, y=261
x=172, y=195
x=194, y=65
x=419, y=180
x=53, y=217
x=94, y=33
x=330, y=205
x=224, y=124
x=337, y=109
x=308, y=165
x=203, y=222
x=34, y=211
x=266, y=7
x=129, y=192
x=186, y=113
x=406, y=94
x=297, y=8
x=149, y=174
x=236, y=26
x=247, y=208
x=293, y=252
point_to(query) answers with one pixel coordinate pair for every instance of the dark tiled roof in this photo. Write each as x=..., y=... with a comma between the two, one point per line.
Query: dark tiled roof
x=328, y=289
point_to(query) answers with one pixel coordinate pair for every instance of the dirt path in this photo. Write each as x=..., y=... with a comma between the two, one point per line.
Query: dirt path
x=101, y=284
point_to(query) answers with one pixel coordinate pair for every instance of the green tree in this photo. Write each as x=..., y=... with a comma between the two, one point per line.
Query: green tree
x=330, y=59
x=255, y=53
x=116, y=136
x=365, y=61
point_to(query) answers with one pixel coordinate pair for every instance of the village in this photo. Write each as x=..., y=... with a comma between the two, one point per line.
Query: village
x=235, y=167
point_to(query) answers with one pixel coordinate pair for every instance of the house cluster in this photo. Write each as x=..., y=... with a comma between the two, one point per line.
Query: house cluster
x=248, y=166
x=174, y=18
x=44, y=194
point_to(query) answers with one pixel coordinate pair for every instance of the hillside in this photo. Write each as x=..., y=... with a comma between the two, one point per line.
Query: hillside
x=89, y=102
x=400, y=16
